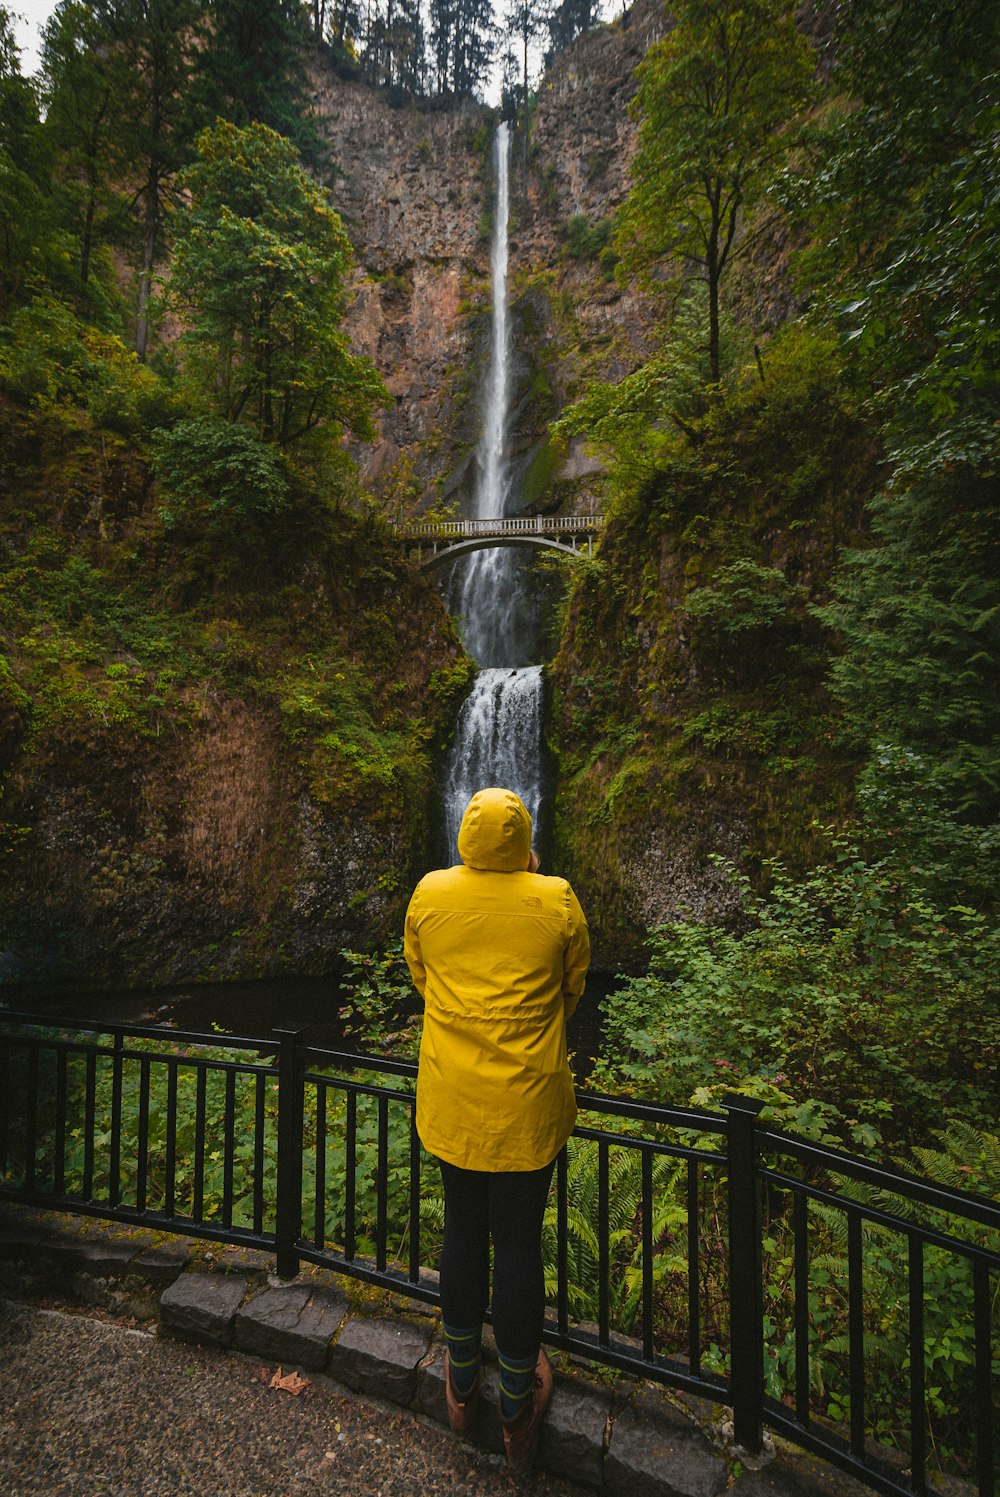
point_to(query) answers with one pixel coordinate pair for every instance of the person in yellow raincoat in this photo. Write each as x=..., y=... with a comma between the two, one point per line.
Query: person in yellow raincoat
x=499, y=954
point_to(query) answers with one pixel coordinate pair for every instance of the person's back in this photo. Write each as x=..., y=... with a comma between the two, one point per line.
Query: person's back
x=504, y=957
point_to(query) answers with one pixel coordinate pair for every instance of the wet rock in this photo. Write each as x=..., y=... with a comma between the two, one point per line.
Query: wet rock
x=103, y=1257
x=295, y=1323
x=202, y=1307
x=572, y=1437
x=163, y=1262
x=21, y=1234
x=430, y=1397
x=656, y=1452
x=380, y=1356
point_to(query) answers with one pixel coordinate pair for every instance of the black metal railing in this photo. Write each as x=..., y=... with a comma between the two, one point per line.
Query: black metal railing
x=808, y=1289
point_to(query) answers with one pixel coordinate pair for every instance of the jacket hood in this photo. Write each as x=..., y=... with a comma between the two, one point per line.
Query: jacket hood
x=496, y=832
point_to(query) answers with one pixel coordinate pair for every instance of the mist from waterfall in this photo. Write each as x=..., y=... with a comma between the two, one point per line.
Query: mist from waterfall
x=498, y=734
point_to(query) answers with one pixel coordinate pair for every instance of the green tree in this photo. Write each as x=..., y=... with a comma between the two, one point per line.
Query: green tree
x=83, y=89
x=568, y=20
x=717, y=102
x=463, y=37
x=394, y=49
x=904, y=204
x=151, y=43
x=524, y=21
x=251, y=68
x=25, y=208
x=260, y=278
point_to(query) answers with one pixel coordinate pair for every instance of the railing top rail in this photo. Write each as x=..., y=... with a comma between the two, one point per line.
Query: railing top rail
x=142, y=1031
x=349, y=1060
x=878, y=1217
x=968, y=1204
x=498, y=525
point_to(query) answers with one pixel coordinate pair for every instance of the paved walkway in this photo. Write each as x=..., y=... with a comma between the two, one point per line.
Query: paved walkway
x=93, y=1408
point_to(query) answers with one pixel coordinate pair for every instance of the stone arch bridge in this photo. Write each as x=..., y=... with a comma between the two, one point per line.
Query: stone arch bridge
x=438, y=542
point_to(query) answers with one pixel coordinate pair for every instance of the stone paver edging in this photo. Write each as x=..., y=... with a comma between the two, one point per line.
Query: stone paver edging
x=621, y=1437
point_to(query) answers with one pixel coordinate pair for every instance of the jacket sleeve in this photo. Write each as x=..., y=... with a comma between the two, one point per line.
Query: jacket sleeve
x=411, y=947
x=576, y=956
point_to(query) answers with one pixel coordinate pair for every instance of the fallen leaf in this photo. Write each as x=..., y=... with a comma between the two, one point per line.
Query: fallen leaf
x=289, y=1382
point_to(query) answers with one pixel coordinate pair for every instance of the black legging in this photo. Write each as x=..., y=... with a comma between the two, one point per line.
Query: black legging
x=507, y=1206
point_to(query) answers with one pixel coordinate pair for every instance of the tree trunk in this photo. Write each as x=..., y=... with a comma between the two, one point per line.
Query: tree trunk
x=150, y=236
x=713, y=322
x=87, y=237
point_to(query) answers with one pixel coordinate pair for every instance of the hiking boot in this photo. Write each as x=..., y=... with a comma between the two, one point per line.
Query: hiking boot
x=461, y=1411
x=520, y=1435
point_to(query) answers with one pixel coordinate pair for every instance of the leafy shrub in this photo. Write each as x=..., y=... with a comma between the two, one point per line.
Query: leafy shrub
x=58, y=364
x=380, y=1010
x=213, y=467
x=855, y=1005
x=586, y=241
x=744, y=595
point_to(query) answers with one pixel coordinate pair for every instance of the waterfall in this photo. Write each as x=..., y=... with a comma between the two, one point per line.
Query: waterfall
x=498, y=734
x=497, y=741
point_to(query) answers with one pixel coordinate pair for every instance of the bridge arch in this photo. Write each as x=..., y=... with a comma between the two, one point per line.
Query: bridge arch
x=433, y=559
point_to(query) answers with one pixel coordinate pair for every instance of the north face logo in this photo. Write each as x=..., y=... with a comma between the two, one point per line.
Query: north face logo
x=533, y=900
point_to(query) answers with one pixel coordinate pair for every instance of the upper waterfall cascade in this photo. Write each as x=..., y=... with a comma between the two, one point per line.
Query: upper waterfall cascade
x=498, y=734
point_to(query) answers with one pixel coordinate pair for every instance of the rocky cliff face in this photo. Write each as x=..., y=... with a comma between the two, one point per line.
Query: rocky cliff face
x=410, y=187
x=414, y=188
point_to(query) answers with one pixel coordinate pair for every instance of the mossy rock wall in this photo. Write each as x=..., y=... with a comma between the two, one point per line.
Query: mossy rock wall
x=691, y=720
x=219, y=752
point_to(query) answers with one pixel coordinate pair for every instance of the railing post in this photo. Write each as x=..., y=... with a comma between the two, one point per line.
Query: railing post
x=288, y=1205
x=746, y=1302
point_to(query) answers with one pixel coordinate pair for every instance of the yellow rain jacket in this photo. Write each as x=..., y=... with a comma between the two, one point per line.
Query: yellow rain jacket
x=499, y=956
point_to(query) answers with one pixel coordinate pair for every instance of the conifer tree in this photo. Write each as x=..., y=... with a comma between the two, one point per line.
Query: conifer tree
x=463, y=42
x=525, y=20
x=25, y=211
x=151, y=40
x=84, y=90
x=904, y=201
x=568, y=20
x=251, y=68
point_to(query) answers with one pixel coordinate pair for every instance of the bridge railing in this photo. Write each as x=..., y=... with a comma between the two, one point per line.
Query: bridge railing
x=446, y=530
x=845, y=1306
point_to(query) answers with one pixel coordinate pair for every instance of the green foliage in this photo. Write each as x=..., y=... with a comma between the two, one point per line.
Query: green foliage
x=251, y=69
x=717, y=101
x=60, y=365
x=908, y=802
x=379, y=1013
x=624, y=1240
x=83, y=82
x=901, y=192
x=586, y=241
x=260, y=274
x=743, y=596
x=850, y=997
x=639, y=418
x=919, y=617
x=211, y=468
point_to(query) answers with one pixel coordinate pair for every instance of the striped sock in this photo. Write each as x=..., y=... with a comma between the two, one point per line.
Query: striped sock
x=463, y=1357
x=517, y=1383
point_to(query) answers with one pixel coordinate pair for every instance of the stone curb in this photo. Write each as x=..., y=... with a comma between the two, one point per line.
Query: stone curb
x=626, y=1437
